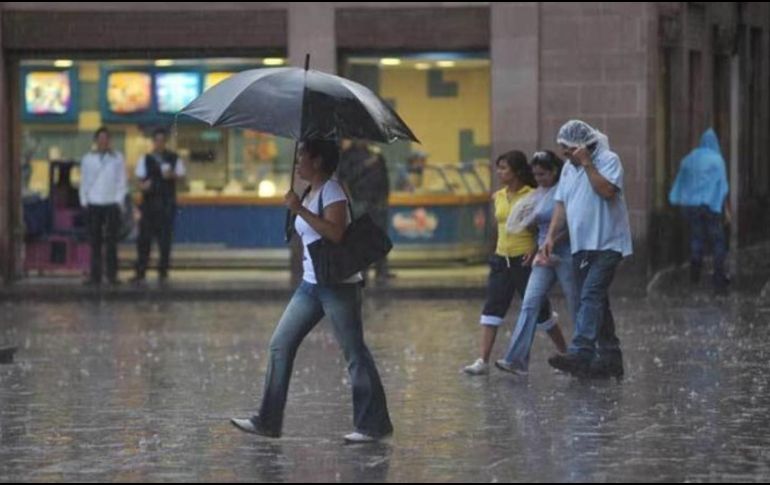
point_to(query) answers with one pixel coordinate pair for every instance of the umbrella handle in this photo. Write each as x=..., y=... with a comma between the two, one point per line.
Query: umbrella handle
x=289, y=226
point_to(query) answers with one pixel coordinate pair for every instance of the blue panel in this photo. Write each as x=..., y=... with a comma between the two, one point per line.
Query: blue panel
x=262, y=226
x=233, y=226
x=444, y=224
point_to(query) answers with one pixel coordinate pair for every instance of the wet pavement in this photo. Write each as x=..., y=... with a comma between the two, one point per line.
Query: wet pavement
x=118, y=391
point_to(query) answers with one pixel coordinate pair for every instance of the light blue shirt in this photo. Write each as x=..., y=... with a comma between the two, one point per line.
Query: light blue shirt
x=543, y=214
x=595, y=224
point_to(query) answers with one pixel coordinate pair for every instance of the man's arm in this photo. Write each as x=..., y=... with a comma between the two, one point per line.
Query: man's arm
x=606, y=189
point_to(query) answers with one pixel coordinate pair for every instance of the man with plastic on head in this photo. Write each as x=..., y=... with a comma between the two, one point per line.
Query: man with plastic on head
x=590, y=201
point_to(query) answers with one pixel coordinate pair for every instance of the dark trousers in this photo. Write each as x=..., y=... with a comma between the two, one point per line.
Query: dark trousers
x=157, y=223
x=103, y=229
x=595, y=325
x=379, y=215
x=707, y=229
x=378, y=211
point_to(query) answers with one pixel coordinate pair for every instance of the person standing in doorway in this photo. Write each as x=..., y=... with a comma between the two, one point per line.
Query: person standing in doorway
x=103, y=188
x=159, y=174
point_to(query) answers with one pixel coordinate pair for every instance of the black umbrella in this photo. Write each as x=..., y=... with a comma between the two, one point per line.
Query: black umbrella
x=301, y=104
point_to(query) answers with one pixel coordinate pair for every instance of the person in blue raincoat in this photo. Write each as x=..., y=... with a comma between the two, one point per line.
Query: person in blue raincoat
x=701, y=190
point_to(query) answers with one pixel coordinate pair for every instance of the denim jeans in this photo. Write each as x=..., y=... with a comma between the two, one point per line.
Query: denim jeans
x=540, y=283
x=594, y=323
x=706, y=228
x=342, y=304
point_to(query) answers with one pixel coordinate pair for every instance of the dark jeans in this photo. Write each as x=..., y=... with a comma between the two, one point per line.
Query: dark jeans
x=706, y=228
x=342, y=304
x=507, y=277
x=379, y=214
x=103, y=229
x=156, y=224
x=595, y=325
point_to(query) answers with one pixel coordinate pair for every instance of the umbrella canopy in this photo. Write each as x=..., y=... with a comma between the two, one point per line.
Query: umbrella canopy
x=301, y=104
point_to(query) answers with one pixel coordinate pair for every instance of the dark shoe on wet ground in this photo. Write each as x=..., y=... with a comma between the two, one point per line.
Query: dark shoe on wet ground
x=138, y=282
x=606, y=367
x=6, y=354
x=572, y=364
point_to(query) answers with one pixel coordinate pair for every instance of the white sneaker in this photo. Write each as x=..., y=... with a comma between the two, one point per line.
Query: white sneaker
x=245, y=425
x=510, y=368
x=358, y=438
x=478, y=368
x=249, y=426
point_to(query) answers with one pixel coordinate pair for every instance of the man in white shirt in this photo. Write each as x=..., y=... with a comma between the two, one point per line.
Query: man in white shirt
x=590, y=201
x=103, y=188
x=158, y=173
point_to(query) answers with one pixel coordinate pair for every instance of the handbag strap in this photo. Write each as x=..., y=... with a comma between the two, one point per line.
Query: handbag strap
x=321, y=200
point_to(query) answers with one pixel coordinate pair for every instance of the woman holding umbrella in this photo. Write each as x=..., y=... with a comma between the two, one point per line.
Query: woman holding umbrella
x=317, y=162
x=314, y=107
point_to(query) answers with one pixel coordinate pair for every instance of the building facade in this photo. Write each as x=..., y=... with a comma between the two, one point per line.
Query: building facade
x=473, y=80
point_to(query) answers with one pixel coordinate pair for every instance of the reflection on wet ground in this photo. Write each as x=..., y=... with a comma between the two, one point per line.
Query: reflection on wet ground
x=142, y=392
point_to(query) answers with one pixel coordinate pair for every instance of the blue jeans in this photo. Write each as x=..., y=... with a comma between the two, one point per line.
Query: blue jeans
x=706, y=228
x=342, y=304
x=594, y=324
x=540, y=283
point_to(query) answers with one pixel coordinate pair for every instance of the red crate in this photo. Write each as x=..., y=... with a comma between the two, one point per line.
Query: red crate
x=57, y=253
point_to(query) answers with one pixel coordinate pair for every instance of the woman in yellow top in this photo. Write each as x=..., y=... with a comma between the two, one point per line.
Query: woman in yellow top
x=511, y=265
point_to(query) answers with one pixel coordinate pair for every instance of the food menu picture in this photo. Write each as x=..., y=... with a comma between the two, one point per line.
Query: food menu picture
x=175, y=90
x=129, y=92
x=49, y=95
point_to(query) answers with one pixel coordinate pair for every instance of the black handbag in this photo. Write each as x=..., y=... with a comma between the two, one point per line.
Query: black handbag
x=363, y=244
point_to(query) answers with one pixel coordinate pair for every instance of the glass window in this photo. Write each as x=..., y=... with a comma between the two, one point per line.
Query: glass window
x=444, y=98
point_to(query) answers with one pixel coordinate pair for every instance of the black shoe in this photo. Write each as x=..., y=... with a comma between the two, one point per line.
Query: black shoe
x=695, y=272
x=91, y=283
x=252, y=426
x=607, y=367
x=6, y=355
x=570, y=363
x=721, y=285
